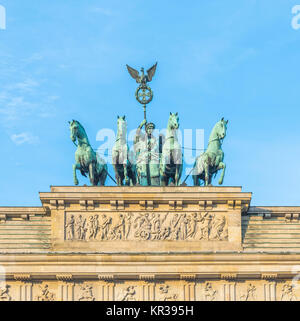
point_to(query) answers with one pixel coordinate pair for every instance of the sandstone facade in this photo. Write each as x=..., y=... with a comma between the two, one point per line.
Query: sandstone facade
x=149, y=243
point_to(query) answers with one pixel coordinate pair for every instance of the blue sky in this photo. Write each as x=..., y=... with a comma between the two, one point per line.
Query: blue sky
x=63, y=60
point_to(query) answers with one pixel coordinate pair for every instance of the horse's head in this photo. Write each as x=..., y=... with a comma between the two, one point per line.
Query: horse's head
x=173, y=121
x=77, y=131
x=220, y=129
x=74, y=129
x=122, y=126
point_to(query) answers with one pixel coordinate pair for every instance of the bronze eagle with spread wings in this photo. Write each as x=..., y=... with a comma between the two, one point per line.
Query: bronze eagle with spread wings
x=142, y=78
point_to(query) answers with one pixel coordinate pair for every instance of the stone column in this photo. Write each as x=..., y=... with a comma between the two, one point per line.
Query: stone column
x=25, y=287
x=188, y=286
x=106, y=288
x=147, y=287
x=229, y=286
x=269, y=287
x=65, y=287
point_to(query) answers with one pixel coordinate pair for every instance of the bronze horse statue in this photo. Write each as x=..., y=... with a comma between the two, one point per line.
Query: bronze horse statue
x=171, y=157
x=211, y=161
x=122, y=158
x=86, y=160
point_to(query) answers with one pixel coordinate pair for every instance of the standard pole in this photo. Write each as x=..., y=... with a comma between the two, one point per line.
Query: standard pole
x=145, y=116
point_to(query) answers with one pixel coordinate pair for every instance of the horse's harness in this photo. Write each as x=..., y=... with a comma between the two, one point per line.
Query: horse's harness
x=219, y=139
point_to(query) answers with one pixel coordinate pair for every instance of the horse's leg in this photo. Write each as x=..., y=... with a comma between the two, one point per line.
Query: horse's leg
x=222, y=166
x=180, y=169
x=115, y=159
x=92, y=173
x=97, y=173
x=121, y=178
x=134, y=179
x=175, y=161
x=209, y=179
x=75, y=166
x=121, y=175
x=162, y=171
x=117, y=176
x=195, y=180
x=206, y=170
x=164, y=179
x=100, y=178
x=133, y=175
x=103, y=176
x=166, y=175
x=176, y=176
x=127, y=180
x=97, y=179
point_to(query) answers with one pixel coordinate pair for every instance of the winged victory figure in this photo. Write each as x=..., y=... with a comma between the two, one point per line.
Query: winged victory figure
x=142, y=78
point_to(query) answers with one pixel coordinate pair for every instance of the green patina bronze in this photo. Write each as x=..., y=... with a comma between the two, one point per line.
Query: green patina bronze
x=87, y=161
x=152, y=162
x=171, y=157
x=146, y=146
x=147, y=156
x=143, y=93
x=211, y=160
x=122, y=158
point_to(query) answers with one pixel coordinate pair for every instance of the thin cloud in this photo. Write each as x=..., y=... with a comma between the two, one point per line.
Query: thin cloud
x=14, y=107
x=24, y=138
x=25, y=98
x=28, y=85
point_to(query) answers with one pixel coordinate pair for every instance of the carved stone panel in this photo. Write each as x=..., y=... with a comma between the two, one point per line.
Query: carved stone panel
x=127, y=293
x=287, y=293
x=167, y=292
x=145, y=226
x=86, y=292
x=158, y=290
x=44, y=294
x=5, y=293
x=249, y=292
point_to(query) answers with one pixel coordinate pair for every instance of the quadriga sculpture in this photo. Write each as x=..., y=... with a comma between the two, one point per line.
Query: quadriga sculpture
x=211, y=160
x=122, y=158
x=86, y=160
x=171, y=158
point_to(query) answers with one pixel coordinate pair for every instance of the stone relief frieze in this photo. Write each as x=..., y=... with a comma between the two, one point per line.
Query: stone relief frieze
x=146, y=227
x=250, y=294
x=209, y=292
x=86, y=293
x=4, y=293
x=166, y=294
x=127, y=294
x=288, y=293
x=160, y=291
x=45, y=295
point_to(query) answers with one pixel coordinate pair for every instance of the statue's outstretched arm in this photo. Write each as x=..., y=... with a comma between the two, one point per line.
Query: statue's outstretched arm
x=142, y=124
x=138, y=134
